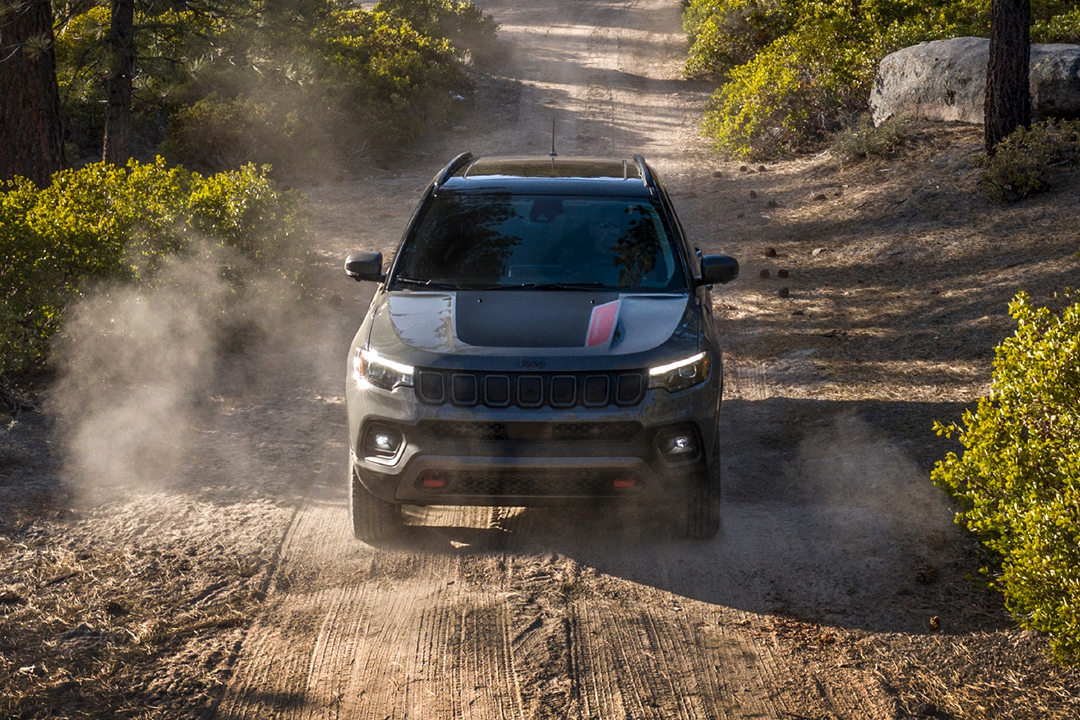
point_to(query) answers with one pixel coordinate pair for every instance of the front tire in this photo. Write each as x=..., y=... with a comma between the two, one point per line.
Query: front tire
x=373, y=519
x=703, y=505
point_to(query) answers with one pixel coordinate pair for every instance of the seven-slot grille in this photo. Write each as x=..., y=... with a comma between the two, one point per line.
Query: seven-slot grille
x=530, y=390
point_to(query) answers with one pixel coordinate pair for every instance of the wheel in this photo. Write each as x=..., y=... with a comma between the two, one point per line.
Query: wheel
x=373, y=519
x=703, y=504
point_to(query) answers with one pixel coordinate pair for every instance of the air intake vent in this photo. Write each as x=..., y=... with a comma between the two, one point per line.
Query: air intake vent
x=464, y=389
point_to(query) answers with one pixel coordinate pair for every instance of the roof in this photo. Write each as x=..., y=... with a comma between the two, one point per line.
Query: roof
x=547, y=175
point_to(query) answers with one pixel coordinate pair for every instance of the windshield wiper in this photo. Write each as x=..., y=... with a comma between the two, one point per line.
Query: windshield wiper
x=426, y=284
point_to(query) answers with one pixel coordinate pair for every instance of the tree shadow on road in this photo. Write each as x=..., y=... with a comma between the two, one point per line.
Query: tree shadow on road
x=829, y=517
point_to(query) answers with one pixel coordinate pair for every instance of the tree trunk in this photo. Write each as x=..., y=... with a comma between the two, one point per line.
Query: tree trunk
x=117, y=146
x=31, y=141
x=1008, y=96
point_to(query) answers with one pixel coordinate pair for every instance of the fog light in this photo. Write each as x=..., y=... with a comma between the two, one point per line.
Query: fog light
x=382, y=442
x=680, y=445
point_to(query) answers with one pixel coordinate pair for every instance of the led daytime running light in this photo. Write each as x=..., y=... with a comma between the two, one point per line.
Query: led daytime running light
x=374, y=357
x=663, y=369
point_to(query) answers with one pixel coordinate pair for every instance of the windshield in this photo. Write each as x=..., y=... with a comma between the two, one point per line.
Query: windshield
x=546, y=241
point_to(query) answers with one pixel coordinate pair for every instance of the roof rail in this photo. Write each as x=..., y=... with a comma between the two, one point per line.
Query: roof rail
x=452, y=167
x=644, y=171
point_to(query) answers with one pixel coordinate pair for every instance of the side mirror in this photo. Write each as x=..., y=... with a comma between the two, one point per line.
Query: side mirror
x=365, y=265
x=718, y=269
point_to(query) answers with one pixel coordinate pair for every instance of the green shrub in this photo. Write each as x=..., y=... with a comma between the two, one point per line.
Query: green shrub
x=1018, y=481
x=360, y=82
x=394, y=80
x=296, y=84
x=1063, y=28
x=865, y=140
x=790, y=95
x=1023, y=163
x=215, y=133
x=793, y=68
x=107, y=223
x=726, y=33
x=459, y=22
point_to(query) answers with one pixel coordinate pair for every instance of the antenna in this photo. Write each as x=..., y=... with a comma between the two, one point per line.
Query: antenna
x=553, y=153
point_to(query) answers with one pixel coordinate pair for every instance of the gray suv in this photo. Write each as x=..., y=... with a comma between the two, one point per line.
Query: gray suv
x=544, y=335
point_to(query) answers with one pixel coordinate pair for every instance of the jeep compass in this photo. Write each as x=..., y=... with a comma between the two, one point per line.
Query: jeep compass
x=544, y=334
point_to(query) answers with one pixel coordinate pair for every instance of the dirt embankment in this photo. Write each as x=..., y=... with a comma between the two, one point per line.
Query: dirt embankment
x=192, y=560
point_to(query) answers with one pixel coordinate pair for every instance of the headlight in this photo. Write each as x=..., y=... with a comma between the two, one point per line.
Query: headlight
x=370, y=367
x=680, y=374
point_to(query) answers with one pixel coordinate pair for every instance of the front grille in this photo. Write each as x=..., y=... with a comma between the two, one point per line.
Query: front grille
x=531, y=390
x=568, y=482
x=619, y=431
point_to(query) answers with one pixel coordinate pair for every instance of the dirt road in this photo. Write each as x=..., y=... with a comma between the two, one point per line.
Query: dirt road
x=187, y=554
x=584, y=614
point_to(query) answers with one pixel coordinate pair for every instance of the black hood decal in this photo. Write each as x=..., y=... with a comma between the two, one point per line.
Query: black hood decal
x=420, y=328
x=523, y=318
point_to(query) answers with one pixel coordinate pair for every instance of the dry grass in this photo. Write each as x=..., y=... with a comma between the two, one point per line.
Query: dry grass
x=899, y=270
x=94, y=626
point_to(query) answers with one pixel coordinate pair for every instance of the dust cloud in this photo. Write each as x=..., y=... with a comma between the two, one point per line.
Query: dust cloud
x=149, y=376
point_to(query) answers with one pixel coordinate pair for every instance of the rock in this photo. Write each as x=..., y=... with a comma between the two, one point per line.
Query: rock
x=764, y=274
x=753, y=194
x=761, y=168
x=783, y=292
x=781, y=273
x=743, y=168
x=819, y=197
x=946, y=80
x=817, y=251
x=717, y=174
x=770, y=252
x=772, y=204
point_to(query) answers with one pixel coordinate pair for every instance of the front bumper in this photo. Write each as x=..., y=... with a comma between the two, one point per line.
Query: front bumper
x=446, y=455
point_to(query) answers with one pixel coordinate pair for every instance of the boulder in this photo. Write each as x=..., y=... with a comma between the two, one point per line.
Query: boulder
x=946, y=80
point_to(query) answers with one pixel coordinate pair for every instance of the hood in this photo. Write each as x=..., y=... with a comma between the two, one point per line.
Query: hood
x=414, y=326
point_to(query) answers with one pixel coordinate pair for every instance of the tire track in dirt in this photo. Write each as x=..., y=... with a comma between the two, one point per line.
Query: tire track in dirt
x=509, y=613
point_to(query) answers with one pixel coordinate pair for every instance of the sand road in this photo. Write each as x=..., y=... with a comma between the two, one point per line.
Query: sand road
x=574, y=613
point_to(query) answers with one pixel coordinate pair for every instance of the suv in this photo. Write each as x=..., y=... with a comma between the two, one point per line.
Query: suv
x=544, y=335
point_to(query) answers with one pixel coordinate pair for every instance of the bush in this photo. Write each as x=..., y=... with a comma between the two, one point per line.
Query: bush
x=394, y=80
x=793, y=68
x=1024, y=162
x=790, y=95
x=1060, y=25
x=726, y=33
x=865, y=140
x=1018, y=481
x=107, y=223
x=359, y=82
x=460, y=23
x=294, y=84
